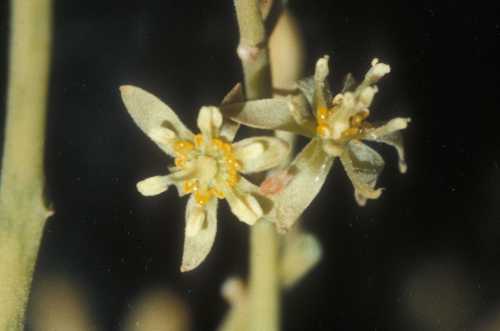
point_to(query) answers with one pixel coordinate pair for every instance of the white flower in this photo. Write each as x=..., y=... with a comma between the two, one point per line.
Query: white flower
x=207, y=165
x=337, y=125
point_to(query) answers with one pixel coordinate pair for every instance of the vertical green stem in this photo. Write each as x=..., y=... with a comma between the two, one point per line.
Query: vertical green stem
x=264, y=284
x=22, y=211
x=263, y=291
x=252, y=50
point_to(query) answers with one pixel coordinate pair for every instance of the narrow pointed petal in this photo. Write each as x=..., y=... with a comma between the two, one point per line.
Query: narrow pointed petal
x=201, y=227
x=363, y=165
x=306, y=86
x=157, y=120
x=229, y=127
x=260, y=153
x=321, y=89
x=154, y=185
x=209, y=121
x=308, y=173
x=390, y=134
x=244, y=205
x=271, y=114
x=376, y=72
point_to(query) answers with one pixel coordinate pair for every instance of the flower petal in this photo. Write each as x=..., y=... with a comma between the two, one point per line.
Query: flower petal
x=229, y=127
x=201, y=227
x=157, y=120
x=308, y=173
x=244, y=205
x=306, y=86
x=260, y=153
x=271, y=114
x=377, y=71
x=154, y=185
x=321, y=89
x=363, y=166
x=209, y=121
x=390, y=134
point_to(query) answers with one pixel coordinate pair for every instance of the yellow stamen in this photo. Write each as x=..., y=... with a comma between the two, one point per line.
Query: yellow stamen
x=180, y=161
x=215, y=192
x=356, y=120
x=322, y=114
x=227, y=148
x=198, y=140
x=232, y=177
x=183, y=146
x=218, y=143
x=322, y=130
x=202, y=197
x=351, y=132
x=190, y=186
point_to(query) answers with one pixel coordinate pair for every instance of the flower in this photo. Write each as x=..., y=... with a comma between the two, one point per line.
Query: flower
x=337, y=126
x=208, y=166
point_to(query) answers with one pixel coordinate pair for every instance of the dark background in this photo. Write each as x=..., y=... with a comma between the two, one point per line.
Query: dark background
x=425, y=256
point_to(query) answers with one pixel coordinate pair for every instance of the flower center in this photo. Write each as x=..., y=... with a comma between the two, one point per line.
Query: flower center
x=339, y=129
x=211, y=166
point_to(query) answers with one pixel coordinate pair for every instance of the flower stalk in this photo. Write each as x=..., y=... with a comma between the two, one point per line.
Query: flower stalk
x=264, y=286
x=252, y=50
x=22, y=210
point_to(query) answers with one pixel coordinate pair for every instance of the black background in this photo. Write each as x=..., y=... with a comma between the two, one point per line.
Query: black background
x=441, y=218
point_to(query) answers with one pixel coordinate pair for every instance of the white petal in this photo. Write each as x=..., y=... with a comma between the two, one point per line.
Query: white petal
x=390, y=134
x=377, y=71
x=153, y=117
x=308, y=173
x=195, y=218
x=321, y=89
x=260, y=153
x=244, y=205
x=154, y=185
x=393, y=125
x=271, y=114
x=229, y=127
x=209, y=121
x=363, y=166
x=198, y=239
x=366, y=96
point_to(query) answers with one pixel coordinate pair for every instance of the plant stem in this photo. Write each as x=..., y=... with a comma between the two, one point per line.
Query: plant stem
x=264, y=283
x=264, y=286
x=252, y=50
x=22, y=211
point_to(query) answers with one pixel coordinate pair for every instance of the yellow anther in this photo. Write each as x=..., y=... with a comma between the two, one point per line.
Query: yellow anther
x=356, y=120
x=351, y=132
x=183, y=146
x=322, y=114
x=227, y=148
x=237, y=164
x=322, y=130
x=202, y=197
x=198, y=140
x=234, y=164
x=217, y=193
x=190, y=185
x=180, y=161
x=232, y=177
x=218, y=143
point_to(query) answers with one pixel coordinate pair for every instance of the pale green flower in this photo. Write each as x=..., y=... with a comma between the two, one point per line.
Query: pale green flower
x=207, y=165
x=337, y=126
